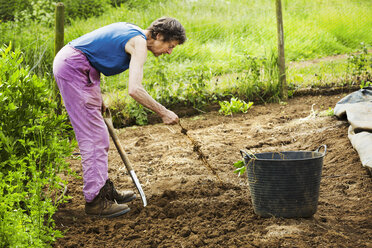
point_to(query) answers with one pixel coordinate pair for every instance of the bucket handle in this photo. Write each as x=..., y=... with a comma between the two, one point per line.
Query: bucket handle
x=320, y=147
x=246, y=156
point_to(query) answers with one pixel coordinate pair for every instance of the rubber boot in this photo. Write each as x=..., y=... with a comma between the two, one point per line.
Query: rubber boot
x=103, y=207
x=119, y=197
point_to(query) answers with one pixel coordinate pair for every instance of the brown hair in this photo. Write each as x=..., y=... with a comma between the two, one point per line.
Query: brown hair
x=170, y=28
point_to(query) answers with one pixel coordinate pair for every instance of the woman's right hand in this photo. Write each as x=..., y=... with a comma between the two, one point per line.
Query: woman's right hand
x=170, y=118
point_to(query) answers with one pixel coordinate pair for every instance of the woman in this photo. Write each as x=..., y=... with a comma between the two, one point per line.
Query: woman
x=110, y=50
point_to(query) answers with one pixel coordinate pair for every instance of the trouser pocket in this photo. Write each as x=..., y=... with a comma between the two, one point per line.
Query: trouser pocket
x=92, y=90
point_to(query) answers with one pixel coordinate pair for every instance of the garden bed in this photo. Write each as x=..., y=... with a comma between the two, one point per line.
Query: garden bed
x=189, y=207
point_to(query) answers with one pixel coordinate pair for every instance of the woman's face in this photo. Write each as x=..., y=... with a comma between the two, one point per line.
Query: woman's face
x=159, y=47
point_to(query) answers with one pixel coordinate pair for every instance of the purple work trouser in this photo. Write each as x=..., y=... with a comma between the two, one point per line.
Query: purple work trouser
x=79, y=84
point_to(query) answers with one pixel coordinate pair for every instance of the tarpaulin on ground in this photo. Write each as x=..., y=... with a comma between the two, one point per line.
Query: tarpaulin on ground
x=357, y=107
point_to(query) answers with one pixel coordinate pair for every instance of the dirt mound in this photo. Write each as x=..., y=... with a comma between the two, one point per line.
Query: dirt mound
x=189, y=207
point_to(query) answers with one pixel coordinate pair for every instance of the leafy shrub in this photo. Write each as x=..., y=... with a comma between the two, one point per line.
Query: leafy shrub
x=25, y=11
x=39, y=11
x=84, y=9
x=9, y=8
x=138, y=112
x=33, y=147
x=171, y=88
x=359, y=66
x=261, y=80
x=42, y=11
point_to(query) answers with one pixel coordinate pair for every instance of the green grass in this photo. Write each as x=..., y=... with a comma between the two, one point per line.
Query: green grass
x=320, y=73
x=221, y=36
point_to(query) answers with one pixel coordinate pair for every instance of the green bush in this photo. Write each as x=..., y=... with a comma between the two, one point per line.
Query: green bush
x=84, y=9
x=360, y=63
x=9, y=9
x=25, y=11
x=34, y=142
x=42, y=11
x=39, y=11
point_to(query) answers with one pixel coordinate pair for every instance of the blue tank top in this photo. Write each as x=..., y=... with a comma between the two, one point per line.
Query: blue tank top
x=105, y=47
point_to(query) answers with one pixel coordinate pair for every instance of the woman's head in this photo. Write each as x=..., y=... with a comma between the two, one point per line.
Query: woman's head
x=169, y=29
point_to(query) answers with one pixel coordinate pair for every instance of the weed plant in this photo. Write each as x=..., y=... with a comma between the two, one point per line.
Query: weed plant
x=359, y=67
x=34, y=142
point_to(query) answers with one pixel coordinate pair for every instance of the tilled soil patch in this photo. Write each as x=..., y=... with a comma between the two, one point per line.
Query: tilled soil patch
x=189, y=207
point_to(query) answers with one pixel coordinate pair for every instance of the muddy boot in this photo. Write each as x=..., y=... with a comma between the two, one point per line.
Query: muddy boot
x=103, y=207
x=118, y=196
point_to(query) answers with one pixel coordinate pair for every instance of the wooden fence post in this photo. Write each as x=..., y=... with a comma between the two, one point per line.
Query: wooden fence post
x=58, y=44
x=281, y=57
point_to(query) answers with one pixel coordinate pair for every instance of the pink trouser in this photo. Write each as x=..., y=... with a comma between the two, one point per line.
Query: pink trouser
x=79, y=84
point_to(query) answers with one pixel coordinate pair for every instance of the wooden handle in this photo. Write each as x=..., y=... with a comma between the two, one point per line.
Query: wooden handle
x=115, y=138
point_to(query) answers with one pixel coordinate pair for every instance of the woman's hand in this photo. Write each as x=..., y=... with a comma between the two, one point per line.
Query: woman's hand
x=170, y=117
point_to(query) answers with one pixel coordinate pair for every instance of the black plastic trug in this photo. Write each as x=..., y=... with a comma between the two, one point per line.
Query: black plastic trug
x=285, y=184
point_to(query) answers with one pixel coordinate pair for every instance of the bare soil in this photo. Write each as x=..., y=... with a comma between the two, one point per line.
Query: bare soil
x=189, y=207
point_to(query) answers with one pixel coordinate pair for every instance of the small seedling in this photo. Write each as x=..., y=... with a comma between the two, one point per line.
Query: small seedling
x=234, y=106
x=364, y=84
x=240, y=167
x=328, y=112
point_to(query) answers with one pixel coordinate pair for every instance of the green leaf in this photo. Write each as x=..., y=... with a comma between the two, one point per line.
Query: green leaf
x=12, y=106
x=240, y=171
x=234, y=106
x=240, y=167
x=239, y=164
